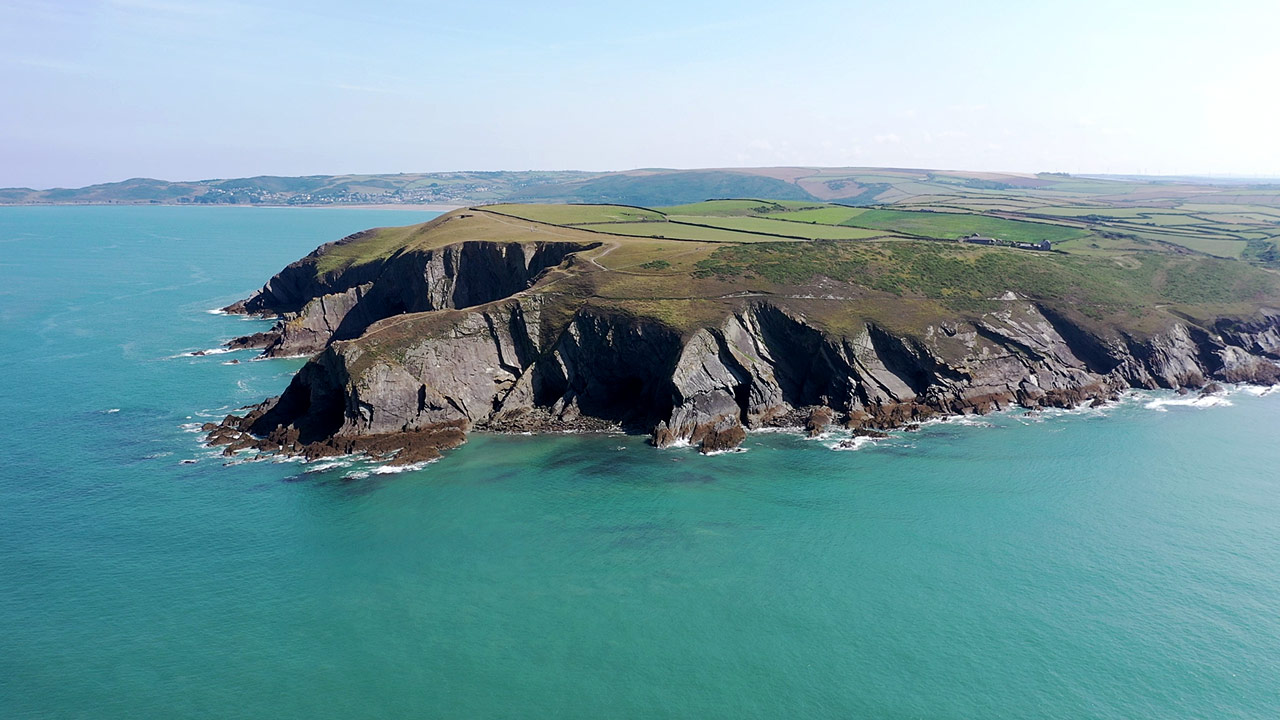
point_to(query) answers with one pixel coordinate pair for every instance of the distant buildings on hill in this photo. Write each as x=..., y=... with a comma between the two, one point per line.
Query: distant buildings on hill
x=977, y=239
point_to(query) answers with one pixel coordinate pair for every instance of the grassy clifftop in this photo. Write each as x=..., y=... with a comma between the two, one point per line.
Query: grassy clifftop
x=687, y=266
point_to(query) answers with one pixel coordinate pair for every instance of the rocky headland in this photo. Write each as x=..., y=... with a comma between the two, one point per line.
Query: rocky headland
x=477, y=321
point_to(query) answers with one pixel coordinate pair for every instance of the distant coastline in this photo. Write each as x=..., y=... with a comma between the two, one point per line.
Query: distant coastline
x=428, y=207
x=648, y=187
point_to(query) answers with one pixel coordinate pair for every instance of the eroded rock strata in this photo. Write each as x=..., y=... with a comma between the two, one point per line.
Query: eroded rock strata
x=413, y=350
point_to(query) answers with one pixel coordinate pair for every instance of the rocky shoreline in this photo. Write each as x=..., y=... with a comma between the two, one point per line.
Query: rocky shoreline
x=414, y=448
x=414, y=350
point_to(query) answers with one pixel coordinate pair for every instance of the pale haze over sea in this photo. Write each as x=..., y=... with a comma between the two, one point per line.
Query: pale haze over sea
x=110, y=89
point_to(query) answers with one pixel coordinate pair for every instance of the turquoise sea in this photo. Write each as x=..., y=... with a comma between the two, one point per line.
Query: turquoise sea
x=1104, y=564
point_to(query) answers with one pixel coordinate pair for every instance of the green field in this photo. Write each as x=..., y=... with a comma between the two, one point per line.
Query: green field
x=676, y=231
x=687, y=272
x=951, y=226
x=830, y=215
x=1218, y=247
x=376, y=244
x=771, y=226
x=1103, y=229
x=744, y=206
x=943, y=271
x=577, y=214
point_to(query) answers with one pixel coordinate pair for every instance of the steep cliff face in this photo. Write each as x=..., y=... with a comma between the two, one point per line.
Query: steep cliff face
x=482, y=368
x=487, y=368
x=316, y=309
x=483, y=321
x=300, y=282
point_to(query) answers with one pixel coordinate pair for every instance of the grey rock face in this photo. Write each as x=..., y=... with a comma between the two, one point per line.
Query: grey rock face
x=347, y=303
x=490, y=358
x=763, y=366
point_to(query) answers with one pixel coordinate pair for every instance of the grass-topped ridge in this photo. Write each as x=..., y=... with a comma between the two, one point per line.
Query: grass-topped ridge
x=682, y=264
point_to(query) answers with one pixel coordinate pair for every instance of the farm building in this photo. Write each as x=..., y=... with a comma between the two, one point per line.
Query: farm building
x=1042, y=245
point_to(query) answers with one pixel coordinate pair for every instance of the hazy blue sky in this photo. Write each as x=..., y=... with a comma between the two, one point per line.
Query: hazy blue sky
x=104, y=90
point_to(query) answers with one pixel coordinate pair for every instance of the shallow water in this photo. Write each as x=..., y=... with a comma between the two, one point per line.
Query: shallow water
x=1108, y=564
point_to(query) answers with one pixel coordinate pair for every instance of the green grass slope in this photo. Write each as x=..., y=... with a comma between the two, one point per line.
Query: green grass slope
x=668, y=188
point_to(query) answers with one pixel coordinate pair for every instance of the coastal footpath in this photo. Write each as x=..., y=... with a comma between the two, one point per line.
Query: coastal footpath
x=481, y=321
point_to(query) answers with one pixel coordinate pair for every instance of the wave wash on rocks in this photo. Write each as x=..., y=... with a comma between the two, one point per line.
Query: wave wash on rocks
x=414, y=350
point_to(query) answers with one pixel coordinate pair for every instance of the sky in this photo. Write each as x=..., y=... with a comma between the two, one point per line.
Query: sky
x=103, y=90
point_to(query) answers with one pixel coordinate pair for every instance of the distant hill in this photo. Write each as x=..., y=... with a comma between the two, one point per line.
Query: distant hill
x=657, y=186
x=663, y=188
x=693, y=323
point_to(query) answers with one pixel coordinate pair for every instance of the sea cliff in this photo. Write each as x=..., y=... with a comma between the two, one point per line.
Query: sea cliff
x=473, y=322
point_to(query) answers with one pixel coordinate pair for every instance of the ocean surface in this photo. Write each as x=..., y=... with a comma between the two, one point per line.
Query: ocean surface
x=1115, y=563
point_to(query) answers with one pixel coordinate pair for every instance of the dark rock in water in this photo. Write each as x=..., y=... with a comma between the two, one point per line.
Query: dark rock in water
x=233, y=362
x=1212, y=388
x=256, y=341
x=199, y=353
x=1182, y=391
x=663, y=437
x=819, y=419
x=188, y=462
x=867, y=432
x=722, y=436
x=912, y=427
x=1098, y=402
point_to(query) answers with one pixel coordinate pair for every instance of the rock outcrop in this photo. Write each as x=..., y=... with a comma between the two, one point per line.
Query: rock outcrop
x=414, y=349
x=491, y=367
x=316, y=308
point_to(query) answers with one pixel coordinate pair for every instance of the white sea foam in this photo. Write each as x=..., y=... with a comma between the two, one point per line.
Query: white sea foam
x=217, y=311
x=784, y=430
x=202, y=353
x=111, y=411
x=966, y=420
x=191, y=427
x=738, y=449
x=381, y=470
x=1082, y=410
x=279, y=357
x=394, y=469
x=326, y=466
x=1207, y=401
x=854, y=443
